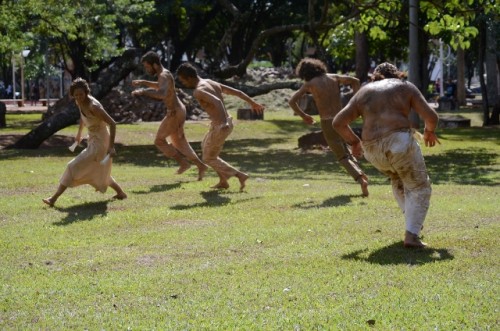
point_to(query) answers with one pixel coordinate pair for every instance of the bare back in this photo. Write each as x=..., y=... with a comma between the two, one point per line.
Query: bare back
x=325, y=90
x=385, y=106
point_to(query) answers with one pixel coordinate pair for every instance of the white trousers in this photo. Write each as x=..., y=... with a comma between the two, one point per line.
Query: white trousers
x=398, y=156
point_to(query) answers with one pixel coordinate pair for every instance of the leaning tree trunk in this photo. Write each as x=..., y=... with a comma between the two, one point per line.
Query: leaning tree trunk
x=65, y=112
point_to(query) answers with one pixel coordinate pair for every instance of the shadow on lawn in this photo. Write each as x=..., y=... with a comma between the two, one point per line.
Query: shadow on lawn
x=159, y=188
x=83, y=212
x=397, y=254
x=339, y=200
x=212, y=199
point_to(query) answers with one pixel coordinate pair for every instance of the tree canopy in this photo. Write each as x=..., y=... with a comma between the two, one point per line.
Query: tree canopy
x=87, y=37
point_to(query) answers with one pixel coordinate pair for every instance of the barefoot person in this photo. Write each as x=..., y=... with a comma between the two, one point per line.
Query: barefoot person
x=172, y=126
x=209, y=95
x=325, y=90
x=388, y=142
x=87, y=167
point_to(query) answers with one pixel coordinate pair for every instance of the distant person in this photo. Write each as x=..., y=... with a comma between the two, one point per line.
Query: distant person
x=325, y=90
x=88, y=167
x=172, y=126
x=388, y=141
x=209, y=95
x=9, y=92
x=34, y=95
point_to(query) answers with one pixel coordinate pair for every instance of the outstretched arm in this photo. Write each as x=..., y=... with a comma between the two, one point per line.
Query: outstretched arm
x=256, y=107
x=157, y=90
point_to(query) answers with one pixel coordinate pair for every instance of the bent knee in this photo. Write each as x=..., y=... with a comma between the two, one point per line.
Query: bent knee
x=159, y=141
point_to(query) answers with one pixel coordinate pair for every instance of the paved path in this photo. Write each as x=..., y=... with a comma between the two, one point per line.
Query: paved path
x=28, y=108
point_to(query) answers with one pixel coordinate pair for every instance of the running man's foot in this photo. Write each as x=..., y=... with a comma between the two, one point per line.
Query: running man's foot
x=120, y=196
x=363, y=181
x=221, y=185
x=49, y=201
x=201, y=171
x=242, y=178
x=184, y=165
x=413, y=241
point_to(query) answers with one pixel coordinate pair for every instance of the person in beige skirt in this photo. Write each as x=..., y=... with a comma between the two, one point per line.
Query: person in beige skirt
x=93, y=165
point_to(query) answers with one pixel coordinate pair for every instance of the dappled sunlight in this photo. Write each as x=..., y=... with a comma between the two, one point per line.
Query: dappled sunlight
x=463, y=166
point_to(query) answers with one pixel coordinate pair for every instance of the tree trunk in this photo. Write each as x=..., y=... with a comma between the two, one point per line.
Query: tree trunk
x=461, y=77
x=65, y=113
x=492, y=73
x=362, y=59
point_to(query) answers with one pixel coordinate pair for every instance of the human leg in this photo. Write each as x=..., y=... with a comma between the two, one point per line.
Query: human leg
x=344, y=155
x=120, y=194
x=212, y=147
x=410, y=166
x=168, y=126
x=179, y=141
x=52, y=200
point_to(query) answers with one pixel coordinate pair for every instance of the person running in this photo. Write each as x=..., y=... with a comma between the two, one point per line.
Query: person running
x=388, y=141
x=208, y=93
x=172, y=126
x=325, y=90
x=89, y=166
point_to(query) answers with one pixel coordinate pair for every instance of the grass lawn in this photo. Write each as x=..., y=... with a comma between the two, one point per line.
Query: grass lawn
x=299, y=249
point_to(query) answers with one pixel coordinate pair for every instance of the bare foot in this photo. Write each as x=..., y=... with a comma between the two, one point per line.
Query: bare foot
x=120, y=196
x=363, y=181
x=243, y=178
x=221, y=185
x=201, y=171
x=413, y=241
x=49, y=202
x=184, y=165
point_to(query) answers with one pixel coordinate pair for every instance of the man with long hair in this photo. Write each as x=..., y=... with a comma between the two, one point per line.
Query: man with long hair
x=325, y=90
x=388, y=141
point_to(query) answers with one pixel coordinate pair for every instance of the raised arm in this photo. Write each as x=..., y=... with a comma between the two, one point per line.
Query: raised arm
x=349, y=80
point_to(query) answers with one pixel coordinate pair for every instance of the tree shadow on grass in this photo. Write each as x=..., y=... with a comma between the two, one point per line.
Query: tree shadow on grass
x=340, y=200
x=396, y=254
x=83, y=212
x=463, y=166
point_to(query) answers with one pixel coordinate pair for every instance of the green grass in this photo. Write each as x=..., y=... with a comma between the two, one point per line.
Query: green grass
x=300, y=249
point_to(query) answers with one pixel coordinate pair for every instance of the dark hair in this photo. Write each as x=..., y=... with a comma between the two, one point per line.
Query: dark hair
x=309, y=68
x=151, y=58
x=386, y=70
x=79, y=83
x=187, y=70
